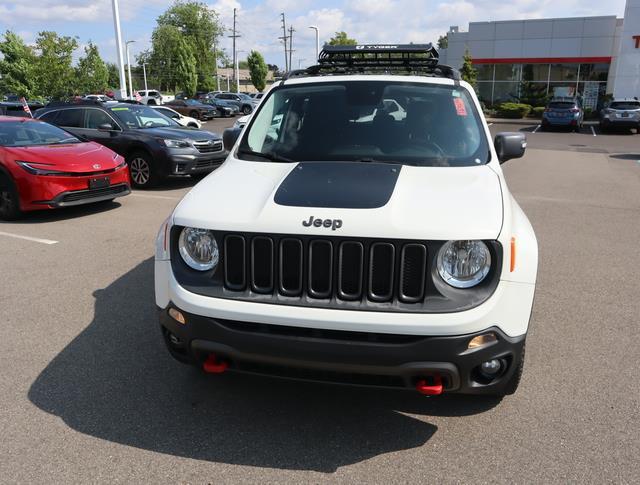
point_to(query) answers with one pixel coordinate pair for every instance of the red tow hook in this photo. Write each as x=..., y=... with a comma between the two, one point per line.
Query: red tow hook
x=430, y=390
x=214, y=366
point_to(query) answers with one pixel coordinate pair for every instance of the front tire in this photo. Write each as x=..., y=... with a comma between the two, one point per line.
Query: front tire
x=194, y=114
x=9, y=199
x=246, y=109
x=144, y=174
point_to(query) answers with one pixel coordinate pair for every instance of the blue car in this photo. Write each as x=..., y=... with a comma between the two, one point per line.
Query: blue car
x=566, y=112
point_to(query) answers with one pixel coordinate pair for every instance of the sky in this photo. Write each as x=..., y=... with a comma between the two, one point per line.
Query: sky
x=368, y=21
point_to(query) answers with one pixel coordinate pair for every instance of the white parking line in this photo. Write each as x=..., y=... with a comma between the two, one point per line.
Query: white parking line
x=593, y=130
x=27, y=238
x=537, y=128
x=490, y=124
x=149, y=196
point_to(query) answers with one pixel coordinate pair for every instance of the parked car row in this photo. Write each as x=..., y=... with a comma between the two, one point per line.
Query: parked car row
x=89, y=151
x=569, y=112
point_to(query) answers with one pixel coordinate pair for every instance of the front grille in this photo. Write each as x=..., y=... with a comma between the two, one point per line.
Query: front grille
x=205, y=146
x=94, y=193
x=325, y=269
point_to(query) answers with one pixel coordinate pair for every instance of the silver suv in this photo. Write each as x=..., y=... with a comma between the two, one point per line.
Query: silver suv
x=621, y=113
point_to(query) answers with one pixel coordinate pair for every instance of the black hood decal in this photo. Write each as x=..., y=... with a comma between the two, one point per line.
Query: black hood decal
x=338, y=185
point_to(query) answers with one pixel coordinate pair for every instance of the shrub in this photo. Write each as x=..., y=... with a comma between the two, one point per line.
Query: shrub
x=537, y=111
x=513, y=110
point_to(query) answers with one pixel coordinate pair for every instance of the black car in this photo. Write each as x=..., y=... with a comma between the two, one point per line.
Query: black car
x=154, y=145
x=15, y=108
x=193, y=108
x=225, y=109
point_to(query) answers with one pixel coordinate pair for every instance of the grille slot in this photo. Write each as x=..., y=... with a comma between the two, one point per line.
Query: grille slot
x=262, y=264
x=381, y=271
x=235, y=263
x=350, y=265
x=413, y=267
x=320, y=269
x=204, y=146
x=93, y=193
x=291, y=267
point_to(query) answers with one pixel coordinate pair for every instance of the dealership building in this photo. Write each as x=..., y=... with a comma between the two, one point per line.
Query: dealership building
x=586, y=56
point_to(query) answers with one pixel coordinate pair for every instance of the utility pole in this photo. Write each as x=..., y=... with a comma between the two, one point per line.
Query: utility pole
x=234, y=36
x=116, y=23
x=129, y=67
x=291, y=31
x=284, y=40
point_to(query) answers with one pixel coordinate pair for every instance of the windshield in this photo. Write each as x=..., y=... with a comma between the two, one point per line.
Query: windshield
x=625, y=105
x=368, y=121
x=136, y=116
x=31, y=133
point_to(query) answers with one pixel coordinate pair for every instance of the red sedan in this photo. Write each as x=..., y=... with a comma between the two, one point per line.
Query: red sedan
x=45, y=167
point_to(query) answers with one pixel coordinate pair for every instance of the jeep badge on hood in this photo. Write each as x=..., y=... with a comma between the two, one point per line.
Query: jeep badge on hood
x=332, y=223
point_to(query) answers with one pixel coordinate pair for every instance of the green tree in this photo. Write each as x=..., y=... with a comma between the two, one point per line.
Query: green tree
x=54, y=74
x=468, y=72
x=113, y=75
x=186, y=71
x=92, y=73
x=17, y=63
x=443, y=41
x=258, y=70
x=341, y=39
x=199, y=27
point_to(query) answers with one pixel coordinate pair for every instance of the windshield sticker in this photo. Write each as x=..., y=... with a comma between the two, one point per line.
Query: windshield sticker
x=119, y=109
x=461, y=110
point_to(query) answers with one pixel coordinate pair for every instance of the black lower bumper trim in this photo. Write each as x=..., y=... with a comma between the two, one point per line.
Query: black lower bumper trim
x=355, y=358
x=89, y=196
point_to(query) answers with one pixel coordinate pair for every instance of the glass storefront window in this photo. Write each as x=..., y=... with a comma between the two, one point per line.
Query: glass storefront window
x=594, y=72
x=485, y=72
x=592, y=94
x=535, y=72
x=507, y=72
x=484, y=91
x=562, y=89
x=505, y=92
x=564, y=72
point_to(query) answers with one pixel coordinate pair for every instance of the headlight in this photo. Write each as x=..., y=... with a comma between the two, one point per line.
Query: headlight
x=176, y=143
x=463, y=264
x=35, y=170
x=198, y=248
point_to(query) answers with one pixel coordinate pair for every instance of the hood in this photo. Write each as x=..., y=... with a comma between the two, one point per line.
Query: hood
x=72, y=157
x=368, y=200
x=180, y=133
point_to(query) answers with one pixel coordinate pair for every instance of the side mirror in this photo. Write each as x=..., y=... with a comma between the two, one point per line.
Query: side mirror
x=105, y=127
x=509, y=145
x=230, y=136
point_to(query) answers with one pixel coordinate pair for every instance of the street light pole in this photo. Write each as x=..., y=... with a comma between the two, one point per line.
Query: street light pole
x=129, y=67
x=144, y=71
x=317, y=40
x=116, y=23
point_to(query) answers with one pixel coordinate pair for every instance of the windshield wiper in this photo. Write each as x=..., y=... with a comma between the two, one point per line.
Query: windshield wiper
x=393, y=162
x=272, y=157
x=71, y=139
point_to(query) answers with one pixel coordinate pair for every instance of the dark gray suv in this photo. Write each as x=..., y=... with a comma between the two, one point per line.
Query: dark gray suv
x=154, y=145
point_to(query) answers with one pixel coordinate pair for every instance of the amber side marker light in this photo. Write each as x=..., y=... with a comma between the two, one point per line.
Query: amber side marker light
x=513, y=254
x=482, y=340
x=177, y=316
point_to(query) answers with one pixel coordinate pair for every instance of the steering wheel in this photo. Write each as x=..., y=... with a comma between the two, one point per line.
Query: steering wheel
x=433, y=146
x=148, y=124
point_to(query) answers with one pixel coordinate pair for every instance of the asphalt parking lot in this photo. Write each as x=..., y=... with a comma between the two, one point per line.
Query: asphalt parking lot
x=89, y=393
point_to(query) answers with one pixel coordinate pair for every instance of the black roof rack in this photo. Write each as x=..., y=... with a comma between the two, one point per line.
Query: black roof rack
x=416, y=59
x=88, y=102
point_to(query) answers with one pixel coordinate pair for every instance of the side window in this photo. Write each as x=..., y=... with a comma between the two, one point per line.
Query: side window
x=71, y=118
x=50, y=117
x=96, y=117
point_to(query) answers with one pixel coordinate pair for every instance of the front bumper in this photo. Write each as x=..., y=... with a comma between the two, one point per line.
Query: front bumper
x=196, y=162
x=343, y=357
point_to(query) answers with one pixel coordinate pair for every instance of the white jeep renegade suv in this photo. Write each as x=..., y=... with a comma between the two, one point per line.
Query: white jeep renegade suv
x=360, y=231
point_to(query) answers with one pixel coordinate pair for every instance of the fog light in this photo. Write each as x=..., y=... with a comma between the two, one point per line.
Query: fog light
x=491, y=368
x=177, y=316
x=482, y=340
